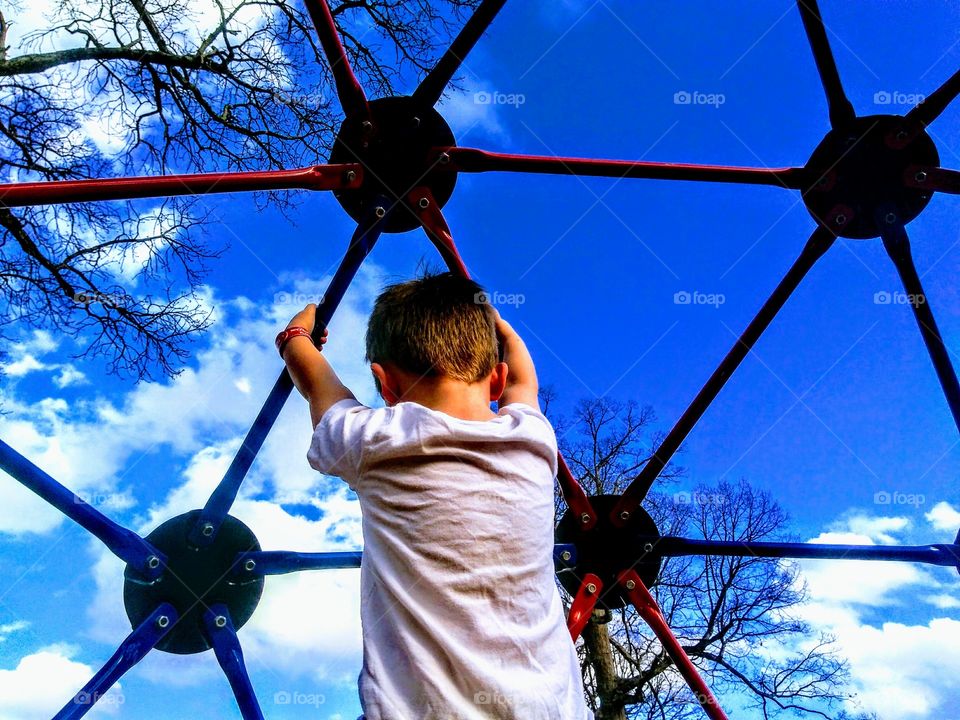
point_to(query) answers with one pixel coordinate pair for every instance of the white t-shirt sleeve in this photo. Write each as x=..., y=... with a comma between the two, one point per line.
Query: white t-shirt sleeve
x=537, y=427
x=338, y=440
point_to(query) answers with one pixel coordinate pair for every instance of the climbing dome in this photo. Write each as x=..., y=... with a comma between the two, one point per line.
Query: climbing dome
x=197, y=578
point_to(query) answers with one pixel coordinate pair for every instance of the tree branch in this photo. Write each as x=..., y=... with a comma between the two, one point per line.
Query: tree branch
x=41, y=62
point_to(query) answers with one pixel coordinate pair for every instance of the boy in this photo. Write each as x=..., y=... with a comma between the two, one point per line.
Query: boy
x=461, y=616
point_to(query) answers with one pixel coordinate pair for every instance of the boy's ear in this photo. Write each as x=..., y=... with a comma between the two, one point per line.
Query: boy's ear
x=386, y=385
x=498, y=381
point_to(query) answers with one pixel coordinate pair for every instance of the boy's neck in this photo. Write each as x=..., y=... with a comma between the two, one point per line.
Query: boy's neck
x=459, y=399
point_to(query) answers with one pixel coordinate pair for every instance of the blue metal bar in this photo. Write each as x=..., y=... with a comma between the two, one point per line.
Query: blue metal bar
x=840, y=108
x=226, y=646
x=125, y=544
x=131, y=651
x=820, y=241
x=432, y=86
x=936, y=102
x=279, y=562
x=946, y=555
x=217, y=507
x=564, y=554
x=897, y=244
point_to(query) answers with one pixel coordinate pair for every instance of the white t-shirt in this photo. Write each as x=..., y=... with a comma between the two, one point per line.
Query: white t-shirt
x=461, y=616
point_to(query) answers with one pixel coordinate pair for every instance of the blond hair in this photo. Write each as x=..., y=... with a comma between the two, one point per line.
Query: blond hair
x=436, y=325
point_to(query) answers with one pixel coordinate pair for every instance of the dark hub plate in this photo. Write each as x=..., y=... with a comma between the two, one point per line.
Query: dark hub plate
x=194, y=580
x=396, y=157
x=860, y=169
x=607, y=550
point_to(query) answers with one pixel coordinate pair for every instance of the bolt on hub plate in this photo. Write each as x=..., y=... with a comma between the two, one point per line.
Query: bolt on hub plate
x=859, y=171
x=193, y=580
x=394, y=148
x=606, y=550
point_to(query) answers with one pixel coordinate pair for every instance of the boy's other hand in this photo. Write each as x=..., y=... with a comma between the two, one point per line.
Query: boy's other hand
x=309, y=370
x=307, y=319
x=504, y=330
x=522, y=376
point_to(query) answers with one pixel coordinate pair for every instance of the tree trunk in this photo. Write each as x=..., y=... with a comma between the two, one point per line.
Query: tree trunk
x=600, y=655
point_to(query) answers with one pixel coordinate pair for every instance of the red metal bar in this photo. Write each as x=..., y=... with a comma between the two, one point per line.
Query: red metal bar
x=319, y=177
x=841, y=111
x=933, y=178
x=473, y=160
x=649, y=610
x=430, y=90
x=936, y=102
x=422, y=204
x=583, y=605
x=816, y=246
x=352, y=98
x=574, y=495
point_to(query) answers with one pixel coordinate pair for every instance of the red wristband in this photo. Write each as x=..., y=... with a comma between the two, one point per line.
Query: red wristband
x=285, y=336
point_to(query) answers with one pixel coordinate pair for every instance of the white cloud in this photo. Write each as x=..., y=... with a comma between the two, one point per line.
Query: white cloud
x=38, y=343
x=44, y=681
x=475, y=109
x=905, y=671
x=69, y=376
x=879, y=529
x=900, y=670
x=861, y=582
x=10, y=628
x=308, y=625
x=89, y=445
x=943, y=516
x=26, y=360
x=944, y=601
x=24, y=365
x=32, y=16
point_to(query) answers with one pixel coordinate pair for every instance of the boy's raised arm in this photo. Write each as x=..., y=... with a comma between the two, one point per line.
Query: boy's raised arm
x=310, y=371
x=522, y=385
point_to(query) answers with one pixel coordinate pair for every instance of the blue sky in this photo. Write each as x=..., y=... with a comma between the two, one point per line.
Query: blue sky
x=837, y=406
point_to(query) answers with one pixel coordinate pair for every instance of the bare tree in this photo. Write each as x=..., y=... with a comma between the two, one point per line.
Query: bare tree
x=147, y=87
x=735, y=616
